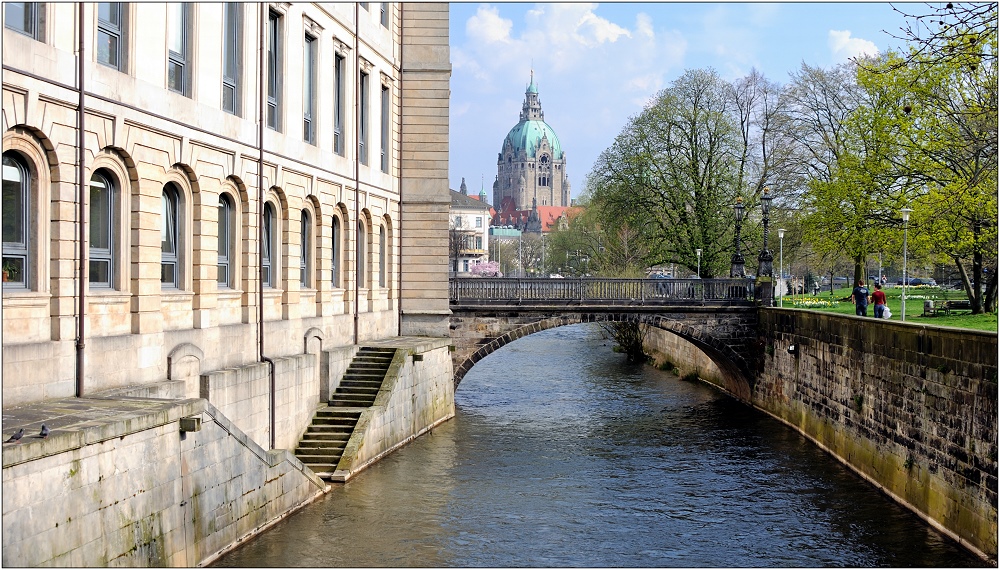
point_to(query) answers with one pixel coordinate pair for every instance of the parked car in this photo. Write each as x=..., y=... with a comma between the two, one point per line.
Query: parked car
x=921, y=281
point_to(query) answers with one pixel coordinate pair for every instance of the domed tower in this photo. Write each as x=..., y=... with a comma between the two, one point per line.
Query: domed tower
x=531, y=166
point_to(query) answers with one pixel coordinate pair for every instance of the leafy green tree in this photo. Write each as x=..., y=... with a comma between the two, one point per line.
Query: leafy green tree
x=666, y=183
x=949, y=159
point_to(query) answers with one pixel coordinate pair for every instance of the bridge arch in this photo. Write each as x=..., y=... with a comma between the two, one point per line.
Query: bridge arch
x=736, y=373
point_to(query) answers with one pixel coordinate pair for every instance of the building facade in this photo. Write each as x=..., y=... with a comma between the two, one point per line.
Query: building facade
x=531, y=165
x=469, y=231
x=244, y=170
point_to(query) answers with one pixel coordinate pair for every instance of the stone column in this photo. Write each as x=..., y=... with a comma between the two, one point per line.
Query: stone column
x=426, y=74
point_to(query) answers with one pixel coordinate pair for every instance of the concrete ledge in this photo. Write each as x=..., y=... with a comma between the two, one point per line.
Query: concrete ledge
x=78, y=422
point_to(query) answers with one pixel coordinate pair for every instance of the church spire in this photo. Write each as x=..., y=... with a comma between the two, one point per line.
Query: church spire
x=532, y=108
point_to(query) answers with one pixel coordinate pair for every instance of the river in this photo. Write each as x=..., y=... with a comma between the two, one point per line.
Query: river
x=562, y=454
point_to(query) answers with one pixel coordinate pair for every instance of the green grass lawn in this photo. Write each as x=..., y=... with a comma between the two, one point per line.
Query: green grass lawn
x=840, y=303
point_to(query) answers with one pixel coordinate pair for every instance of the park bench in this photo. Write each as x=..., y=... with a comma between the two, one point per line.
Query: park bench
x=933, y=309
x=956, y=306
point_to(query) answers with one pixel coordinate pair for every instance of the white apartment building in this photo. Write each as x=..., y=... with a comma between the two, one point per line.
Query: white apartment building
x=469, y=227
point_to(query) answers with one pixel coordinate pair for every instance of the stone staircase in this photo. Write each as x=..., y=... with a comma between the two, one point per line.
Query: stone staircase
x=323, y=443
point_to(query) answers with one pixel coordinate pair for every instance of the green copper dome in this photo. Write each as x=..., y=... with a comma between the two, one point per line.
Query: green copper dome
x=528, y=134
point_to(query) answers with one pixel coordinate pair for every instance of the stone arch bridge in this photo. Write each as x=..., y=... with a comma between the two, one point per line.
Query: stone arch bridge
x=719, y=316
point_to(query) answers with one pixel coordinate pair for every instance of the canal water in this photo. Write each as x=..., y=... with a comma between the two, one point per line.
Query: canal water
x=563, y=455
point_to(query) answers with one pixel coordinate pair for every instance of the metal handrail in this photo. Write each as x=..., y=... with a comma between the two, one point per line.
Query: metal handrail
x=598, y=290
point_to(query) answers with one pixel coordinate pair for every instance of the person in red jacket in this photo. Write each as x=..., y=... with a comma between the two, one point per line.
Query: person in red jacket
x=878, y=298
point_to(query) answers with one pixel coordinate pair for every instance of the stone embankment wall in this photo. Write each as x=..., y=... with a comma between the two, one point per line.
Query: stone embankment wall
x=124, y=486
x=418, y=393
x=911, y=408
x=243, y=394
x=140, y=492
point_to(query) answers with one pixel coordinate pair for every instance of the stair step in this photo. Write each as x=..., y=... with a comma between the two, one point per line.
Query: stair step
x=324, y=441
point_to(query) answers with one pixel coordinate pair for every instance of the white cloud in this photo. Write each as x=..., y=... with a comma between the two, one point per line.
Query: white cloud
x=487, y=26
x=844, y=47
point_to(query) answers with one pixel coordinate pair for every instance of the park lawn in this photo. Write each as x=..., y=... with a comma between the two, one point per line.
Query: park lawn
x=839, y=302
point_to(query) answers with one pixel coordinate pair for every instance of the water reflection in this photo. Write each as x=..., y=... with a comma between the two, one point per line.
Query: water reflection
x=561, y=454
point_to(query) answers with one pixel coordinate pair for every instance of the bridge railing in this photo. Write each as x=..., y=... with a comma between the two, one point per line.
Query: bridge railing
x=597, y=290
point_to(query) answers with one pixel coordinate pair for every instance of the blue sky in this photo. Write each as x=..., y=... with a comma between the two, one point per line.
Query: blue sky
x=597, y=64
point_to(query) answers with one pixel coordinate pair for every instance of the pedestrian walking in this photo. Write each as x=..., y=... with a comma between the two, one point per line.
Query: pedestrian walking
x=878, y=299
x=860, y=298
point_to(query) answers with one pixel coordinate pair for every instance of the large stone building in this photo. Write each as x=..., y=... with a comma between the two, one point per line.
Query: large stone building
x=531, y=166
x=246, y=173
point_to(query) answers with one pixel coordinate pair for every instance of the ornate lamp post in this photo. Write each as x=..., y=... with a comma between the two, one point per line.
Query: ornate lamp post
x=902, y=299
x=781, y=266
x=765, y=259
x=698, y=251
x=736, y=267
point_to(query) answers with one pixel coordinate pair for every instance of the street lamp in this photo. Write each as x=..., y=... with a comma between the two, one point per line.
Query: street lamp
x=698, y=251
x=765, y=261
x=902, y=299
x=736, y=266
x=781, y=266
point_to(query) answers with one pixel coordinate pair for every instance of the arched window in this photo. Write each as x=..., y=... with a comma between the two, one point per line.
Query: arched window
x=169, y=234
x=306, y=242
x=103, y=230
x=335, y=253
x=267, y=247
x=16, y=201
x=225, y=274
x=362, y=246
x=381, y=256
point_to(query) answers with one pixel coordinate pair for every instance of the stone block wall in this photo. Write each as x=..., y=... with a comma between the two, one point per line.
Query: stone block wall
x=333, y=365
x=296, y=397
x=911, y=408
x=418, y=394
x=243, y=394
x=140, y=492
x=687, y=358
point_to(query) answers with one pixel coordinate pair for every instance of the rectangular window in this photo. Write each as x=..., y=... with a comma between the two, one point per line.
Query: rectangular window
x=24, y=17
x=110, y=34
x=384, y=17
x=225, y=240
x=304, y=246
x=169, y=256
x=274, y=70
x=232, y=42
x=178, y=22
x=266, y=246
x=479, y=221
x=101, y=228
x=382, y=258
x=335, y=253
x=309, y=90
x=338, y=104
x=363, y=120
x=386, y=99
x=16, y=200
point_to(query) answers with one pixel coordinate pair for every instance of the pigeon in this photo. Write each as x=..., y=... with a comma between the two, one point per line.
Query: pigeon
x=45, y=432
x=16, y=438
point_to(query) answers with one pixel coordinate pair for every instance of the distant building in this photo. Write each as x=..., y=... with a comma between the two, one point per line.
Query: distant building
x=469, y=221
x=531, y=166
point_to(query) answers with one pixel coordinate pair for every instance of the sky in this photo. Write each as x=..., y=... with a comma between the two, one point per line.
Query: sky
x=596, y=65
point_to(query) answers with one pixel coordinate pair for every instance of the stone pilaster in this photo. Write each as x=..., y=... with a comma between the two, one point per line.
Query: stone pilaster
x=145, y=256
x=426, y=74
